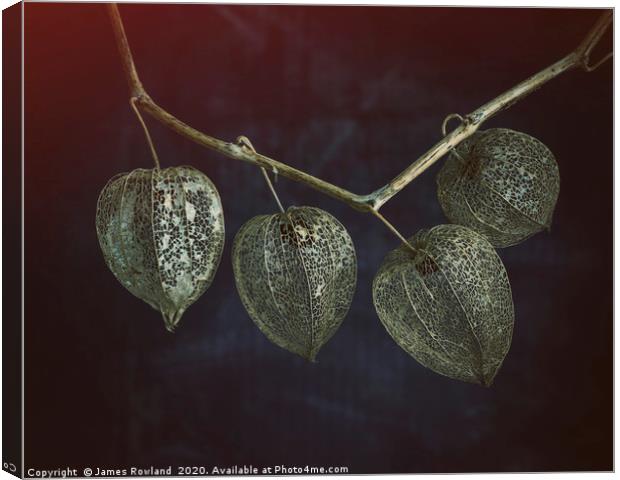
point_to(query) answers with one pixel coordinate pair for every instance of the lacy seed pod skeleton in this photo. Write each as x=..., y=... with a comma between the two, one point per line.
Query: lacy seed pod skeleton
x=296, y=274
x=448, y=305
x=502, y=184
x=162, y=235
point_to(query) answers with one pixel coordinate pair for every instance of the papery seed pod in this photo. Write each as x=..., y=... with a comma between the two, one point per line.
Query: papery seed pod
x=448, y=305
x=162, y=235
x=296, y=274
x=502, y=184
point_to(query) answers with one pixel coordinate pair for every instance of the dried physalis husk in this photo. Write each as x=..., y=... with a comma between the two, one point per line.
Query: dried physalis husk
x=501, y=183
x=449, y=304
x=162, y=235
x=296, y=274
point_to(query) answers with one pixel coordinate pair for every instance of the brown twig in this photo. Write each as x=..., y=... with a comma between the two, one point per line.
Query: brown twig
x=123, y=48
x=372, y=202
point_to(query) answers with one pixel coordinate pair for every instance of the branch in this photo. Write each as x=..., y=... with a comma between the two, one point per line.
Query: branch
x=471, y=122
x=373, y=201
x=123, y=49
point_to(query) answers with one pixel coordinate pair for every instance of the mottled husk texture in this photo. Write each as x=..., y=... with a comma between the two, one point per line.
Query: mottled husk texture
x=449, y=305
x=296, y=274
x=161, y=232
x=501, y=183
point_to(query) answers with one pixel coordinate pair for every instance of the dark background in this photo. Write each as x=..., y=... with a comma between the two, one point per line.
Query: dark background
x=352, y=95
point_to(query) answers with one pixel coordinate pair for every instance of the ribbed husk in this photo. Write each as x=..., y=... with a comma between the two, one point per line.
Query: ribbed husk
x=296, y=274
x=505, y=186
x=162, y=235
x=448, y=305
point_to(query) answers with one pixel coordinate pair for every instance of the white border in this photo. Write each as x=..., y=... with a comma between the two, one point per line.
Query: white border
x=472, y=3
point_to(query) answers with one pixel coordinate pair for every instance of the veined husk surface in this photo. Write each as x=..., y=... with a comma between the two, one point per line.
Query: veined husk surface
x=161, y=232
x=504, y=185
x=296, y=274
x=449, y=305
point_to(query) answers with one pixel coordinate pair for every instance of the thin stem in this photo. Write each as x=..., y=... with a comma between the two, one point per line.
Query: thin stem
x=273, y=190
x=393, y=229
x=371, y=202
x=146, y=132
x=245, y=142
x=591, y=68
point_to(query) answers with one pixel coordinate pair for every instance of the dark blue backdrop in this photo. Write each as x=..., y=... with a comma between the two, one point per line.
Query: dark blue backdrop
x=352, y=95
